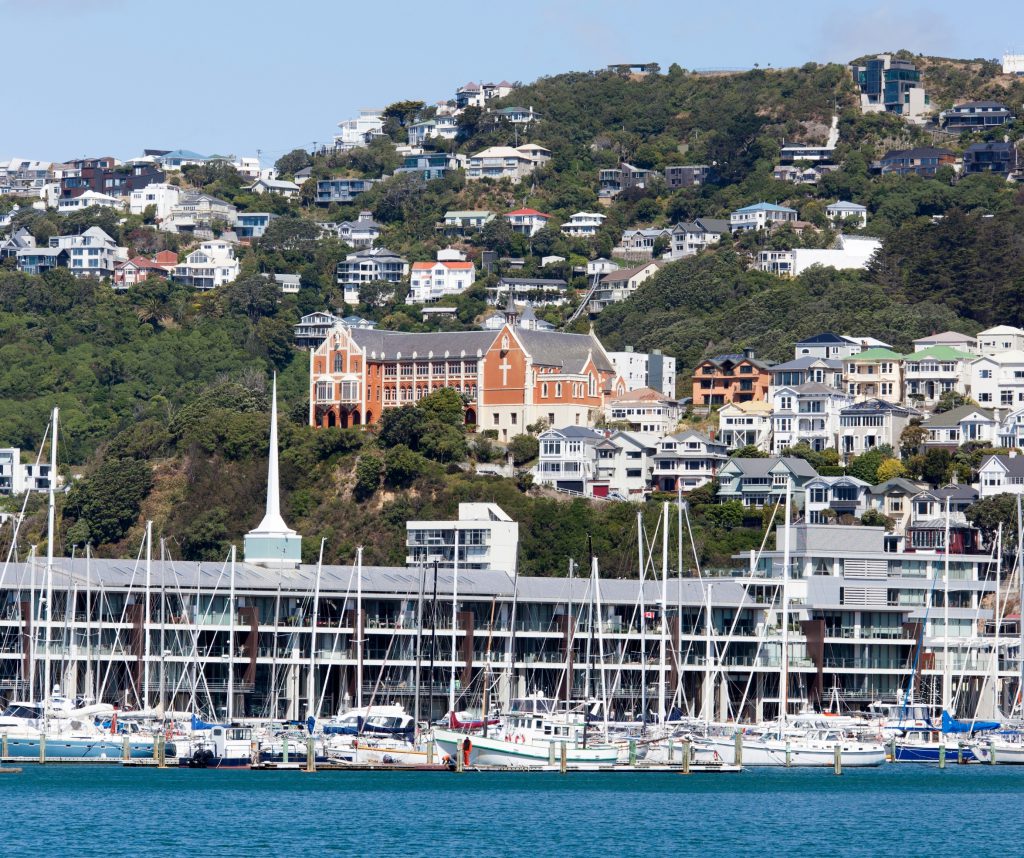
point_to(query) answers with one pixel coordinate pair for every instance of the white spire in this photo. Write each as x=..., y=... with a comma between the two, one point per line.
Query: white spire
x=272, y=521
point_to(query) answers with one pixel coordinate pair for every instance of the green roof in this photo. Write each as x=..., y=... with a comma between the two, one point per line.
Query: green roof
x=876, y=354
x=940, y=353
x=475, y=213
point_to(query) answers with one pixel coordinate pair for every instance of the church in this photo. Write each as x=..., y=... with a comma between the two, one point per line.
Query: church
x=509, y=379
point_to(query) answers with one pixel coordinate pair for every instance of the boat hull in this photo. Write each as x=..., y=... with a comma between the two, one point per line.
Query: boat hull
x=760, y=752
x=930, y=754
x=498, y=752
x=70, y=748
x=1006, y=754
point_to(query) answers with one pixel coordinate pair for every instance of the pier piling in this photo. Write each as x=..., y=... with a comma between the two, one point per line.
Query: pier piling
x=789, y=755
x=942, y=756
x=3, y=747
x=838, y=763
x=310, y=755
x=671, y=752
x=632, y=752
x=991, y=752
x=430, y=752
x=42, y=748
x=563, y=763
x=686, y=756
x=551, y=754
x=284, y=750
x=124, y=747
x=737, y=754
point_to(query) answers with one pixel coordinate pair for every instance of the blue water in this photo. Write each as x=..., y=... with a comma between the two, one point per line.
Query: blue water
x=905, y=810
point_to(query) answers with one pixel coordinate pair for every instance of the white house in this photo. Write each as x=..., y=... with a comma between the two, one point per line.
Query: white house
x=850, y=252
x=583, y=224
x=366, y=266
x=759, y=216
x=618, y=285
x=743, y=424
x=997, y=379
x=486, y=536
x=359, y=131
x=504, y=162
x=1011, y=430
x=161, y=195
x=441, y=127
x=953, y=339
x=213, y=264
x=1002, y=338
x=687, y=460
x=845, y=496
x=89, y=199
x=646, y=369
x=645, y=410
x=527, y=221
x=199, y=211
x=1000, y=475
x=281, y=187
x=690, y=237
x=872, y=423
x=567, y=459
x=623, y=465
x=807, y=413
x=360, y=233
x=91, y=254
x=841, y=211
x=930, y=372
x=431, y=281
x=16, y=478
x=959, y=426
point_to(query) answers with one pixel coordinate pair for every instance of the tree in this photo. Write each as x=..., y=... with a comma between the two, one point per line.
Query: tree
x=874, y=518
x=290, y=163
x=935, y=467
x=524, y=448
x=750, y=451
x=402, y=466
x=951, y=399
x=368, y=471
x=109, y=499
x=890, y=469
x=865, y=466
x=289, y=234
x=912, y=438
x=988, y=513
x=403, y=111
x=254, y=296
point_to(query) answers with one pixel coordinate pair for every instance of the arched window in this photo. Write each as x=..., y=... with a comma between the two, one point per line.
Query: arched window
x=339, y=363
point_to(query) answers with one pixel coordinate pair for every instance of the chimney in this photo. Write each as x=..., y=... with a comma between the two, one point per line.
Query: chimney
x=748, y=354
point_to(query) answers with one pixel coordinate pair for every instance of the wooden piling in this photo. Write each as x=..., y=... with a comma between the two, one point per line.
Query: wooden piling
x=959, y=753
x=284, y=749
x=737, y=753
x=162, y=759
x=430, y=752
x=563, y=763
x=788, y=754
x=42, y=748
x=3, y=747
x=991, y=752
x=671, y=751
x=310, y=755
x=892, y=749
x=632, y=752
x=838, y=761
x=942, y=756
x=686, y=756
x=125, y=752
x=551, y=754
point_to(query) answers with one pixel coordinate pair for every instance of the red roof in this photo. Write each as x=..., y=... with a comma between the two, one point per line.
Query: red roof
x=532, y=212
x=143, y=262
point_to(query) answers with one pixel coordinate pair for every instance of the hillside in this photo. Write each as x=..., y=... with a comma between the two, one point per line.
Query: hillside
x=163, y=391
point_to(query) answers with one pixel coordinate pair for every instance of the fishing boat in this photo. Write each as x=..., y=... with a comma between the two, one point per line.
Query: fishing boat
x=223, y=747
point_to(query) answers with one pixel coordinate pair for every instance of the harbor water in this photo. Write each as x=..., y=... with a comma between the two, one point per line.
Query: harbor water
x=904, y=810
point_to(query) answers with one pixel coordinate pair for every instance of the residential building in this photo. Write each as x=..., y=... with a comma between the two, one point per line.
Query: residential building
x=313, y=328
x=731, y=378
x=930, y=372
x=17, y=478
x=368, y=266
x=991, y=157
x=213, y=264
x=894, y=498
x=136, y=270
x=849, y=252
x=91, y=254
x=975, y=116
x=997, y=380
x=598, y=267
x=516, y=115
x=359, y=132
x=1001, y=338
x=341, y=190
x=281, y=187
x=745, y=424
x=618, y=285
x=645, y=410
x=841, y=212
x=814, y=153
x=504, y=162
x=760, y=216
x=197, y=212
x=640, y=369
x=999, y=475
x=686, y=461
x=567, y=459
x=962, y=425
x=690, y=237
x=638, y=244
x=807, y=414
x=24, y=177
x=583, y=224
x=483, y=538
x=464, y=223
x=89, y=199
x=892, y=86
x=251, y=225
x=20, y=239
x=177, y=158
x=872, y=423
x=623, y=178
x=802, y=174
x=874, y=374
x=478, y=94
x=929, y=522
x=510, y=379
x=625, y=461
x=846, y=497
x=163, y=197
x=1011, y=430
x=920, y=161
x=442, y=127
x=806, y=370
x=431, y=281
x=762, y=482
x=687, y=176
x=539, y=291
x=432, y=165
x=952, y=339
x=527, y=222
x=832, y=346
x=39, y=260
x=105, y=176
x=289, y=284
x=1013, y=64
x=360, y=233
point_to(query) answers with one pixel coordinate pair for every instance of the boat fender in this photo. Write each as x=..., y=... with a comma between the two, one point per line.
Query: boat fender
x=467, y=746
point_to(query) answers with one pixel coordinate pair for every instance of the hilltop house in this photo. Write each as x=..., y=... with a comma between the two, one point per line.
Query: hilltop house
x=872, y=423
x=504, y=162
x=841, y=211
x=930, y=372
x=645, y=410
x=431, y=281
x=1002, y=475
x=367, y=266
x=807, y=413
x=212, y=264
x=731, y=378
x=618, y=285
x=690, y=237
x=875, y=373
x=743, y=424
x=760, y=216
x=583, y=224
x=762, y=482
x=956, y=427
x=528, y=222
x=686, y=461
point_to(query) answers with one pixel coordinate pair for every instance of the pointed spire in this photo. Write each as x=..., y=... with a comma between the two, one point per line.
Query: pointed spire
x=272, y=521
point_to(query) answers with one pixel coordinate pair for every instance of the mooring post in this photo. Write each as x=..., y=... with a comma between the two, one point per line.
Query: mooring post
x=838, y=763
x=563, y=765
x=991, y=751
x=788, y=754
x=737, y=753
x=310, y=754
x=124, y=747
x=686, y=756
x=42, y=748
x=942, y=756
x=284, y=750
x=632, y=752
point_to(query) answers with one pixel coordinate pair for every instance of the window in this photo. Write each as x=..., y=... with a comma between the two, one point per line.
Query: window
x=558, y=392
x=1006, y=397
x=785, y=403
x=324, y=391
x=339, y=362
x=497, y=418
x=551, y=448
x=544, y=390
x=513, y=418
x=592, y=387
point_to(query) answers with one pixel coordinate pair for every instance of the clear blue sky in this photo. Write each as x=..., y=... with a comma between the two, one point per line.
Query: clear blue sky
x=98, y=77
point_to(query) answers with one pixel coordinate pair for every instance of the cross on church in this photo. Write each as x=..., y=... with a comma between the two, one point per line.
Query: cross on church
x=505, y=366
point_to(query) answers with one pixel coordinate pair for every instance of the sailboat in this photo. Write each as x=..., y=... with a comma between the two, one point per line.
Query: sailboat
x=783, y=743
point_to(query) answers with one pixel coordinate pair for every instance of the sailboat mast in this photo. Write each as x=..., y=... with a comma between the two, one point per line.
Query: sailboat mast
x=995, y=642
x=419, y=648
x=359, y=627
x=709, y=686
x=600, y=646
x=570, y=636
x=88, y=624
x=947, y=681
x=643, y=617
x=1020, y=597
x=231, y=639
x=663, y=649
x=51, y=535
x=146, y=616
x=455, y=620
x=314, y=620
x=784, y=661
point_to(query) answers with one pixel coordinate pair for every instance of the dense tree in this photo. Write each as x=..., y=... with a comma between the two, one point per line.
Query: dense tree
x=290, y=163
x=524, y=448
x=107, y=501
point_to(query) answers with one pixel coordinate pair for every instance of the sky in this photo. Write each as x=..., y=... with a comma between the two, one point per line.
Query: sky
x=113, y=77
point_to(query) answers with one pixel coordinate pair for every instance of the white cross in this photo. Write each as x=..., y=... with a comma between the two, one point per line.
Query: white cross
x=504, y=367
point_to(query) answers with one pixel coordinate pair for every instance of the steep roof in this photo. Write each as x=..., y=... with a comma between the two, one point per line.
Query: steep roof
x=766, y=207
x=720, y=360
x=955, y=415
x=939, y=353
x=568, y=351
x=1014, y=464
x=643, y=394
x=896, y=484
x=806, y=362
x=947, y=337
x=528, y=213
x=826, y=338
x=392, y=343
x=843, y=205
x=874, y=405
x=763, y=467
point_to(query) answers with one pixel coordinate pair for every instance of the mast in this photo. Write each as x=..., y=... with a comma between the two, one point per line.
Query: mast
x=455, y=618
x=231, y=639
x=600, y=645
x=419, y=647
x=663, y=649
x=163, y=623
x=1020, y=596
x=88, y=625
x=570, y=635
x=51, y=535
x=33, y=619
x=784, y=661
x=146, y=616
x=273, y=659
x=314, y=618
x=709, y=682
x=359, y=627
x=947, y=679
x=643, y=617
x=995, y=643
